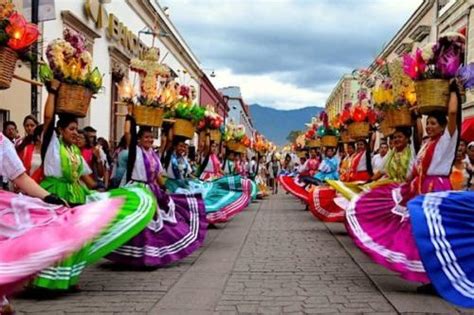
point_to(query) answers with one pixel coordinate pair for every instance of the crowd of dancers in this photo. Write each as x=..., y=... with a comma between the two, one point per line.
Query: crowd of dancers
x=408, y=205
x=68, y=202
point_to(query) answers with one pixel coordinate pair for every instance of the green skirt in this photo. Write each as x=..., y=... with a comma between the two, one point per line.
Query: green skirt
x=136, y=212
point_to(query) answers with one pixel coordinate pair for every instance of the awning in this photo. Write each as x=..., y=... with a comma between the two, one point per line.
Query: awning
x=467, y=129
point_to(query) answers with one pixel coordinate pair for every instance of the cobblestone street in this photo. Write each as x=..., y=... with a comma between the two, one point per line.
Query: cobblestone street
x=273, y=258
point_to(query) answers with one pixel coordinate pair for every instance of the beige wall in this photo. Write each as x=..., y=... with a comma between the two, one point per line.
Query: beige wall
x=16, y=99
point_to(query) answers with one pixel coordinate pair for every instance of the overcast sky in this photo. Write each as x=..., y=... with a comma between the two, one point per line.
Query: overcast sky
x=287, y=54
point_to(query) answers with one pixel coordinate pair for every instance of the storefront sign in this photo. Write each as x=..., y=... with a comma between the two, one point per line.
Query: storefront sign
x=115, y=29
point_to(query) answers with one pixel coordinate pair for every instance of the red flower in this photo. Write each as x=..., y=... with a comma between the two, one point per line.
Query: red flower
x=359, y=114
x=21, y=33
x=372, y=117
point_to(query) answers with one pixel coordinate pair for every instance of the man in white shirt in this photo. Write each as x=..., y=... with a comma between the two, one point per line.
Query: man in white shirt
x=378, y=160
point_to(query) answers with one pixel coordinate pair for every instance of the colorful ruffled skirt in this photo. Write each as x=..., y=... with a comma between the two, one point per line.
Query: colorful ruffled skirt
x=35, y=235
x=224, y=197
x=323, y=205
x=136, y=211
x=379, y=224
x=443, y=226
x=177, y=229
x=295, y=187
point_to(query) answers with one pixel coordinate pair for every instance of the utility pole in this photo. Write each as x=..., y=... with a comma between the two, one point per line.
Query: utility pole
x=34, y=63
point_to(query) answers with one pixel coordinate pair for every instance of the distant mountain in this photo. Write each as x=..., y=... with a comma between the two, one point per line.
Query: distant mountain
x=276, y=124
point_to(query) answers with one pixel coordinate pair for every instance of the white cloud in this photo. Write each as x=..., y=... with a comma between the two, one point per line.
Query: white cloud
x=287, y=53
x=267, y=90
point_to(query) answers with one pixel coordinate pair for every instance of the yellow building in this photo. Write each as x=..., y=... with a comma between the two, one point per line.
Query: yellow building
x=345, y=91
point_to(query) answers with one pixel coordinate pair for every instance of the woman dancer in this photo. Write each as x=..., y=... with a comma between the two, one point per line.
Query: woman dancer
x=65, y=172
x=378, y=220
x=179, y=226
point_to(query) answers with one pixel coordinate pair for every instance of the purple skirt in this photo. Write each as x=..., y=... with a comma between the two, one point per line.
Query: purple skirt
x=176, y=231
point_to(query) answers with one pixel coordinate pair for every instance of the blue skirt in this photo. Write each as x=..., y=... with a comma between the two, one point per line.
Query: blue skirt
x=443, y=226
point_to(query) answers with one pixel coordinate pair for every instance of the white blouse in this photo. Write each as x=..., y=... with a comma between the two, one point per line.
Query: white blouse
x=52, y=160
x=443, y=155
x=139, y=169
x=11, y=166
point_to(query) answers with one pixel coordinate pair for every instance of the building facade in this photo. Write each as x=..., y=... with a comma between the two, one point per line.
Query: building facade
x=345, y=91
x=239, y=111
x=209, y=95
x=115, y=33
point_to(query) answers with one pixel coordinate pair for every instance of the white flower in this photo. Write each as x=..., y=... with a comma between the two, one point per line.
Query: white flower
x=427, y=51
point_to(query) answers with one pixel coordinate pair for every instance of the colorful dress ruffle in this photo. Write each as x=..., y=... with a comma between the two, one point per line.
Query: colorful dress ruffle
x=223, y=197
x=322, y=204
x=443, y=227
x=63, y=167
x=35, y=235
x=294, y=187
x=379, y=224
x=132, y=217
x=177, y=229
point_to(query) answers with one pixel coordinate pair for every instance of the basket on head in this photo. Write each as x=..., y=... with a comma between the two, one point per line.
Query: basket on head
x=385, y=128
x=148, y=116
x=358, y=130
x=345, y=137
x=236, y=147
x=8, y=59
x=329, y=141
x=300, y=154
x=432, y=95
x=313, y=143
x=400, y=117
x=183, y=128
x=73, y=99
x=215, y=135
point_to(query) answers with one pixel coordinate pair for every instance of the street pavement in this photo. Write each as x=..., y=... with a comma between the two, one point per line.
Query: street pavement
x=273, y=258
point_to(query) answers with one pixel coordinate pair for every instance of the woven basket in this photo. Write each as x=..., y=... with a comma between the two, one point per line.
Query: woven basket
x=148, y=116
x=313, y=143
x=215, y=135
x=73, y=99
x=236, y=147
x=345, y=137
x=385, y=128
x=183, y=128
x=432, y=95
x=400, y=117
x=300, y=154
x=329, y=141
x=8, y=58
x=358, y=130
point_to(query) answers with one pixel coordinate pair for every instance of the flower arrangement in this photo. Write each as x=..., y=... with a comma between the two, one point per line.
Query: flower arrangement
x=261, y=144
x=382, y=95
x=440, y=60
x=149, y=70
x=466, y=76
x=233, y=132
x=15, y=32
x=211, y=120
x=183, y=110
x=326, y=129
x=70, y=62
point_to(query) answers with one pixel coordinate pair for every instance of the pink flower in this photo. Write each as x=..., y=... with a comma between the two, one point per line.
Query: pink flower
x=414, y=66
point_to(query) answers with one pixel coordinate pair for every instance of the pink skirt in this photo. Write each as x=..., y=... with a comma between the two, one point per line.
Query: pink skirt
x=34, y=235
x=379, y=225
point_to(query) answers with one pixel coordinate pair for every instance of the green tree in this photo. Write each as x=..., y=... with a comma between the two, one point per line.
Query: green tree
x=293, y=135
